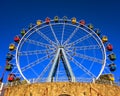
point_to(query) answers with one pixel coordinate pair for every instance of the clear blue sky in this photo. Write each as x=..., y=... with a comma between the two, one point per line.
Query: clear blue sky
x=17, y=14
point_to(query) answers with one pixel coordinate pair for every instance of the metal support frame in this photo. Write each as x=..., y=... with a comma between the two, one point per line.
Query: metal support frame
x=61, y=55
x=1, y=89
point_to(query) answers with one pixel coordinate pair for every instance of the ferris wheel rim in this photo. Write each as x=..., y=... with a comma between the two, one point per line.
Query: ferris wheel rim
x=17, y=58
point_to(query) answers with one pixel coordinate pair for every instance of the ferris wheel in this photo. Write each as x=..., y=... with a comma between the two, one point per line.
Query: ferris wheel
x=60, y=50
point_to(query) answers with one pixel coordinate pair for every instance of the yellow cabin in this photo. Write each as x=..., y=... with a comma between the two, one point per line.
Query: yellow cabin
x=104, y=39
x=73, y=20
x=39, y=22
x=12, y=47
x=56, y=19
x=112, y=78
x=90, y=26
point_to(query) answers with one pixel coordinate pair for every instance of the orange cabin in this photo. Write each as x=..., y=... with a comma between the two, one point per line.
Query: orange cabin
x=11, y=77
x=47, y=20
x=82, y=22
x=16, y=38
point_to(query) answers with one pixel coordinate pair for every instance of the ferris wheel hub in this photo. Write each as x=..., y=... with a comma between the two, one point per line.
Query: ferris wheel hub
x=60, y=46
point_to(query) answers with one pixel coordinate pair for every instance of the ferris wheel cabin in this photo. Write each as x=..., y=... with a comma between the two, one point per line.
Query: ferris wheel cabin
x=12, y=47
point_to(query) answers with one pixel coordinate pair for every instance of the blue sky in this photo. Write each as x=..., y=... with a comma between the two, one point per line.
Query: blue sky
x=18, y=14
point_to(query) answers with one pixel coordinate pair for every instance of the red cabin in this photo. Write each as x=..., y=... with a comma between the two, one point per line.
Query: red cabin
x=17, y=39
x=109, y=47
x=11, y=77
x=47, y=20
x=82, y=22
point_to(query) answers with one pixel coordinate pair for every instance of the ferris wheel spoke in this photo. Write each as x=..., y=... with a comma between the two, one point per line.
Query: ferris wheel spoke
x=37, y=43
x=34, y=71
x=35, y=62
x=90, y=47
x=44, y=71
x=16, y=73
x=72, y=34
x=14, y=69
x=54, y=34
x=89, y=58
x=106, y=70
x=81, y=66
x=45, y=37
x=79, y=40
x=35, y=52
x=63, y=33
